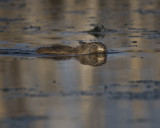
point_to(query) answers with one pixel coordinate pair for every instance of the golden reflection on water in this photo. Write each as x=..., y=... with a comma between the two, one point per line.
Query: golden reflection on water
x=48, y=22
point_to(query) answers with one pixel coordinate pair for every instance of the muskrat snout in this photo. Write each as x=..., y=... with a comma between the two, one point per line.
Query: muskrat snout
x=101, y=49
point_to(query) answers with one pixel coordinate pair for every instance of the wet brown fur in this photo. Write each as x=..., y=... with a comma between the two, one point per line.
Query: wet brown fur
x=86, y=48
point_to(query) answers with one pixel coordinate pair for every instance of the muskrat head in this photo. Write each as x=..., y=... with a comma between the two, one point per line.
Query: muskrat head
x=93, y=47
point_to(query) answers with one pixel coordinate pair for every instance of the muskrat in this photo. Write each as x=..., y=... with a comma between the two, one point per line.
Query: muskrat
x=83, y=48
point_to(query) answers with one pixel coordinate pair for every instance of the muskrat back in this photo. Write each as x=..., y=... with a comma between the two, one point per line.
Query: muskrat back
x=57, y=50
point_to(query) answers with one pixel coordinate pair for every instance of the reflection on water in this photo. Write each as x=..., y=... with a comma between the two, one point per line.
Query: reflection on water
x=38, y=92
x=94, y=60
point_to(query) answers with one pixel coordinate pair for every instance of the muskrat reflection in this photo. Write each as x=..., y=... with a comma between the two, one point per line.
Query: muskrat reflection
x=92, y=59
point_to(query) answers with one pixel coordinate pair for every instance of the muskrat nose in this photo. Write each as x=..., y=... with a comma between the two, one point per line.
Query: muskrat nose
x=101, y=49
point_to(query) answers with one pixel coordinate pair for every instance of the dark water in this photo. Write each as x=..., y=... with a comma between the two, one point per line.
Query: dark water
x=120, y=89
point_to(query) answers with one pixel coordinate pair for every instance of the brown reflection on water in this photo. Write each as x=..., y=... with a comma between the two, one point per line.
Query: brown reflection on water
x=66, y=17
x=140, y=114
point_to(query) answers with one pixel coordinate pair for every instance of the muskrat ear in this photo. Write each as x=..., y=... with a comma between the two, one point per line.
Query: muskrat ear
x=82, y=42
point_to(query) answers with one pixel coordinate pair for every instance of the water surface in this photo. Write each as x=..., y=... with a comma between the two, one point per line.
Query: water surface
x=119, y=89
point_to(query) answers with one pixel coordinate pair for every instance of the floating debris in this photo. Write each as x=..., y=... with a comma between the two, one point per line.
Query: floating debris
x=100, y=31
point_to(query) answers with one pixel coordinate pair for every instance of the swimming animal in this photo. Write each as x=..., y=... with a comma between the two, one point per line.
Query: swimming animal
x=82, y=49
